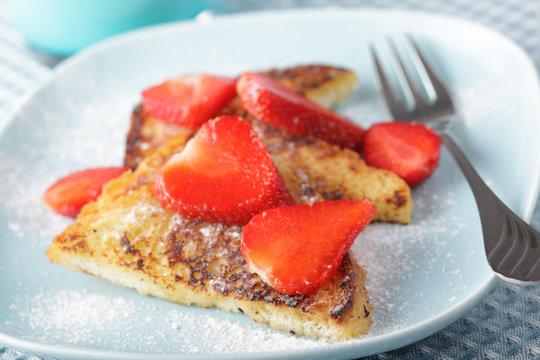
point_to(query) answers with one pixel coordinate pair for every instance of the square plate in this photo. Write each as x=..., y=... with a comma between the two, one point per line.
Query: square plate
x=421, y=277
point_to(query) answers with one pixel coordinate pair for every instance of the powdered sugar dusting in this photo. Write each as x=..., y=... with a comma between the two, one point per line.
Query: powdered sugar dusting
x=73, y=317
x=140, y=213
x=86, y=319
x=398, y=255
x=244, y=339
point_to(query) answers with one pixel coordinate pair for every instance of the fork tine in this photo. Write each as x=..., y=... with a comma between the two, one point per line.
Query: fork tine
x=441, y=93
x=419, y=101
x=394, y=104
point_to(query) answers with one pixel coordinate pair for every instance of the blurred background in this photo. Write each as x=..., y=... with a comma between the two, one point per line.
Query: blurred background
x=62, y=27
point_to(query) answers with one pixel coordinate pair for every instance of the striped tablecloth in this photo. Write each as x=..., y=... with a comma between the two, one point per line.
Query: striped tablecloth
x=506, y=324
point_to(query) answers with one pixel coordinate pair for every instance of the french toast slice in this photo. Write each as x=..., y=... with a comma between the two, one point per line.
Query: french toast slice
x=130, y=239
x=330, y=171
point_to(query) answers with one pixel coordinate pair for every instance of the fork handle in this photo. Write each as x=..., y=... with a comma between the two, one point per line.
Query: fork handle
x=510, y=243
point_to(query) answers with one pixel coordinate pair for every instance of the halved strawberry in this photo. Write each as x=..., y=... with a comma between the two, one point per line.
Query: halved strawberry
x=268, y=100
x=68, y=195
x=224, y=174
x=189, y=100
x=299, y=247
x=410, y=150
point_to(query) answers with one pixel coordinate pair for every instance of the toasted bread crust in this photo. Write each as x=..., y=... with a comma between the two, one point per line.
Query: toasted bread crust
x=323, y=84
x=128, y=238
x=145, y=135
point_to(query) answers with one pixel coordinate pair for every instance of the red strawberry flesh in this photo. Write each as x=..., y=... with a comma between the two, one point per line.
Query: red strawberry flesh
x=270, y=101
x=299, y=247
x=189, y=100
x=224, y=174
x=68, y=195
x=408, y=149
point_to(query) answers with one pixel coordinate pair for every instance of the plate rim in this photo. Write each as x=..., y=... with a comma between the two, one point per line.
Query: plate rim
x=437, y=322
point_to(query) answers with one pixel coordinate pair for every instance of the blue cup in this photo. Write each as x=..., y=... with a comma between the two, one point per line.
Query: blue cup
x=62, y=27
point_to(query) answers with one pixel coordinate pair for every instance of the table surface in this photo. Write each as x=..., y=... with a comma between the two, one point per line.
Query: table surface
x=506, y=323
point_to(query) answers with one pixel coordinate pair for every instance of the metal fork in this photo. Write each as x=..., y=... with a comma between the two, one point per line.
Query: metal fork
x=511, y=245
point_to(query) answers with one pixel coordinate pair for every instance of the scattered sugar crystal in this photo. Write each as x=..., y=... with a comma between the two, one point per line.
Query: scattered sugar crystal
x=15, y=227
x=206, y=231
x=73, y=316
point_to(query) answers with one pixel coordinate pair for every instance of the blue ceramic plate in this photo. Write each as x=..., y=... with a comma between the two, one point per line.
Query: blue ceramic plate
x=421, y=277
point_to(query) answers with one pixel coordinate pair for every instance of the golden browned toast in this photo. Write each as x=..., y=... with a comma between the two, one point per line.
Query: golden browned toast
x=330, y=171
x=129, y=238
x=315, y=170
x=323, y=84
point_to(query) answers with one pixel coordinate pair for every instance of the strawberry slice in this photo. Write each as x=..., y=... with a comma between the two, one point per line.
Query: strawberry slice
x=268, y=100
x=224, y=174
x=299, y=247
x=68, y=195
x=408, y=149
x=189, y=100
